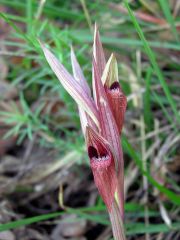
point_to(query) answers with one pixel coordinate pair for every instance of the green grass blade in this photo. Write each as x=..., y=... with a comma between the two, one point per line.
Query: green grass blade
x=86, y=13
x=50, y=9
x=85, y=36
x=18, y=30
x=135, y=228
x=153, y=61
x=168, y=116
x=171, y=195
x=148, y=117
x=29, y=16
x=166, y=10
x=27, y=221
x=140, y=228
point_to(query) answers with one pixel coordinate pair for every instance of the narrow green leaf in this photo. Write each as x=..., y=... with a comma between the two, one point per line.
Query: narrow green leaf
x=85, y=36
x=132, y=228
x=50, y=9
x=166, y=10
x=168, y=116
x=31, y=41
x=153, y=61
x=147, y=101
x=29, y=16
x=140, y=228
x=27, y=221
x=171, y=195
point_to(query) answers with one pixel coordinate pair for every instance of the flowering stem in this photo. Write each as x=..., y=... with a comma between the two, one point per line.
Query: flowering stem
x=117, y=222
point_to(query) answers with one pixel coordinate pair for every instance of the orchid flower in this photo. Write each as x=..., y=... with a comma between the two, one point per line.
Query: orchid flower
x=102, y=119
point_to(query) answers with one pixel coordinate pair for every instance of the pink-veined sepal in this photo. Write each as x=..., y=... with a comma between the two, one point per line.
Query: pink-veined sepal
x=117, y=99
x=102, y=165
x=72, y=86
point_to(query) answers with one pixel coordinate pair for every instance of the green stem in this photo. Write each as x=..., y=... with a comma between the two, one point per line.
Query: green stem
x=117, y=222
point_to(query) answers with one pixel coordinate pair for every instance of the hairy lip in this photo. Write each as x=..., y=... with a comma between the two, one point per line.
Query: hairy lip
x=99, y=159
x=101, y=163
x=96, y=155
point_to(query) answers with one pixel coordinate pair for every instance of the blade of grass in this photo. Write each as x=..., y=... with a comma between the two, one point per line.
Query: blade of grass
x=168, y=116
x=32, y=41
x=40, y=9
x=52, y=10
x=153, y=61
x=27, y=221
x=167, y=13
x=16, y=18
x=29, y=16
x=171, y=195
x=137, y=228
x=86, y=13
x=147, y=101
x=84, y=35
x=140, y=228
x=83, y=212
